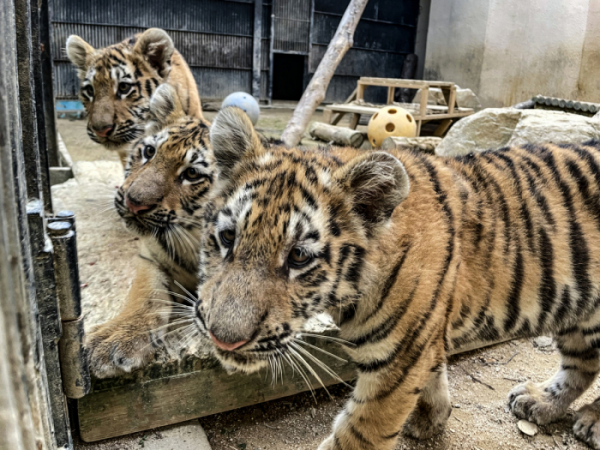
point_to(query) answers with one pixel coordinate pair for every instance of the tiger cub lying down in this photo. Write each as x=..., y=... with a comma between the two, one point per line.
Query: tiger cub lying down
x=118, y=81
x=168, y=176
x=416, y=256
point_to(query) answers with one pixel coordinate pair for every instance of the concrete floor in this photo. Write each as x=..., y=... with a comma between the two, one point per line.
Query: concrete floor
x=480, y=419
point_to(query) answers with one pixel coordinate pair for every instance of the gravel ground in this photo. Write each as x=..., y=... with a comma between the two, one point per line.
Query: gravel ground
x=479, y=381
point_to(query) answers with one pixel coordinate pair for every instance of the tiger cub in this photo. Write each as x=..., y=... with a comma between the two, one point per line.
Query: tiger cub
x=118, y=81
x=414, y=256
x=167, y=179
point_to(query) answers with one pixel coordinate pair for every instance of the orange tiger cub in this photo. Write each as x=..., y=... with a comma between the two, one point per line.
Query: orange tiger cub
x=414, y=256
x=118, y=81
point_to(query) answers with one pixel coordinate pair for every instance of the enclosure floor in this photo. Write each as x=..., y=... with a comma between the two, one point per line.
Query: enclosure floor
x=479, y=420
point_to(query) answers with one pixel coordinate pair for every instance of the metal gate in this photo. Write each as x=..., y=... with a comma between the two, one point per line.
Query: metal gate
x=37, y=248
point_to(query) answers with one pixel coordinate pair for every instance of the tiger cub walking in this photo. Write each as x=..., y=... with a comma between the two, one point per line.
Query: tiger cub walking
x=415, y=256
x=118, y=81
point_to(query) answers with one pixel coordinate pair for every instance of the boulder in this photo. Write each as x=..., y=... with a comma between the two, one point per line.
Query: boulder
x=490, y=128
x=465, y=98
x=494, y=128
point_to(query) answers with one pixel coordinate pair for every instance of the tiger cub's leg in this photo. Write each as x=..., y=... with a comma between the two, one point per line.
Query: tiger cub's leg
x=548, y=401
x=386, y=393
x=433, y=407
x=127, y=341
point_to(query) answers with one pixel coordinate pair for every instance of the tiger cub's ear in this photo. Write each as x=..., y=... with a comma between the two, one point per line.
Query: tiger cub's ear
x=78, y=51
x=233, y=138
x=377, y=183
x=156, y=46
x=165, y=108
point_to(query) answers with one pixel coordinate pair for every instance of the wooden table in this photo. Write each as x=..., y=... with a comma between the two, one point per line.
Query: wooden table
x=422, y=112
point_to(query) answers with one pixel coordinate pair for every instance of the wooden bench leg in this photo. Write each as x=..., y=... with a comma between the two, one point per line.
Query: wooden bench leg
x=327, y=115
x=443, y=127
x=337, y=118
x=354, y=121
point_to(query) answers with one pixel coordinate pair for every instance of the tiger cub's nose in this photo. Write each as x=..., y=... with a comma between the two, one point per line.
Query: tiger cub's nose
x=225, y=345
x=136, y=207
x=104, y=131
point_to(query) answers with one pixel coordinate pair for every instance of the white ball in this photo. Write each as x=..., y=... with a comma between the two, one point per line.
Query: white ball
x=245, y=102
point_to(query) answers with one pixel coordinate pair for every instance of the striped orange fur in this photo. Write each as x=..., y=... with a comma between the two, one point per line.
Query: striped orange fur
x=413, y=255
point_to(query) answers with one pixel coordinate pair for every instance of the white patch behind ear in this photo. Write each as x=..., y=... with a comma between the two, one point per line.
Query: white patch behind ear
x=232, y=138
x=78, y=51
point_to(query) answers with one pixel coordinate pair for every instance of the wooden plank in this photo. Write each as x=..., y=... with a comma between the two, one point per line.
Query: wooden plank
x=337, y=119
x=360, y=91
x=390, y=95
x=162, y=396
x=397, y=82
x=443, y=127
x=354, y=121
x=422, y=109
x=355, y=109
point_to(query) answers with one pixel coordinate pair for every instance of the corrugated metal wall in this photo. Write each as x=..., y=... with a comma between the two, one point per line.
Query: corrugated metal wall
x=216, y=37
x=385, y=35
x=291, y=26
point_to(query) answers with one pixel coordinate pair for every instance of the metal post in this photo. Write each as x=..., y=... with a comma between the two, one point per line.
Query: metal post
x=257, y=43
x=38, y=181
x=45, y=17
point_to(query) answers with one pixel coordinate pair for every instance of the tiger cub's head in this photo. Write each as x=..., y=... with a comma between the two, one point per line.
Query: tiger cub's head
x=168, y=176
x=117, y=83
x=286, y=236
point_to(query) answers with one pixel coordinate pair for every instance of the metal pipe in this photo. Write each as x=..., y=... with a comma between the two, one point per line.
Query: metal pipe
x=73, y=361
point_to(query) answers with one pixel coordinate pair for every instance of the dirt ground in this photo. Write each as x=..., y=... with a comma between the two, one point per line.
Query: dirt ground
x=479, y=381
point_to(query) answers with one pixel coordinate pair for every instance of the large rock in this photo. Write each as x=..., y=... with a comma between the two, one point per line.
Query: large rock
x=499, y=127
x=465, y=98
x=490, y=128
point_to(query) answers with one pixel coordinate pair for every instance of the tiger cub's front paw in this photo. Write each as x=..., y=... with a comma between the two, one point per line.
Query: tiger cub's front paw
x=587, y=424
x=427, y=420
x=532, y=402
x=114, y=349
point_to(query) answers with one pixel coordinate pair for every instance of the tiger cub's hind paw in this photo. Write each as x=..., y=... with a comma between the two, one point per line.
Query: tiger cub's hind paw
x=587, y=425
x=116, y=350
x=531, y=402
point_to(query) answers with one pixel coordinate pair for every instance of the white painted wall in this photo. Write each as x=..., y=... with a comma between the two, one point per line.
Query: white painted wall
x=507, y=51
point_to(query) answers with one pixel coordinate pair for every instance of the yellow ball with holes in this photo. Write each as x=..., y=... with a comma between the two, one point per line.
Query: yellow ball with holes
x=390, y=121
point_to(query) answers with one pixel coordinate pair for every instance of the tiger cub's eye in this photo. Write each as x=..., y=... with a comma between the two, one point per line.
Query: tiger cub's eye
x=124, y=88
x=192, y=174
x=227, y=237
x=149, y=152
x=89, y=90
x=299, y=258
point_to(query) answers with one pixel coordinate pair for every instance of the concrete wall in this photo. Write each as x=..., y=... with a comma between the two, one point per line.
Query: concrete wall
x=507, y=51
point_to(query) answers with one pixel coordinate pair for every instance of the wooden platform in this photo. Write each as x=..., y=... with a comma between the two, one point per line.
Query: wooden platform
x=172, y=391
x=422, y=112
x=165, y=394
